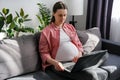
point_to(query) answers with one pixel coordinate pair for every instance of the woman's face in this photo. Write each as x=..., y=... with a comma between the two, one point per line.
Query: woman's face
x=60, y=16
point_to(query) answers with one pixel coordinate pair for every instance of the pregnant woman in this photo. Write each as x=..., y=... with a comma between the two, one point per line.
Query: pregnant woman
x=59, y=42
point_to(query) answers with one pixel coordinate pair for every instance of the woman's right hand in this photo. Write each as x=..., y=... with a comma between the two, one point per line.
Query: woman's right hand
x=58, y=66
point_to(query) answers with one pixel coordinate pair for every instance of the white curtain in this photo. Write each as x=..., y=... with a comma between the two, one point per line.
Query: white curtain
x=115, y=22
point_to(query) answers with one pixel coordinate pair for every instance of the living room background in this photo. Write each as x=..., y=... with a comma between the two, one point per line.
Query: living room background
x=30, y=7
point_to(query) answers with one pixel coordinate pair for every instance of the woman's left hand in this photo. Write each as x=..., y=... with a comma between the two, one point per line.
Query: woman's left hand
x=75, y=59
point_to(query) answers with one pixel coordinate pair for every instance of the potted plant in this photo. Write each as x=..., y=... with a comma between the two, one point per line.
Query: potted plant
x=19, y=25
x=12, y=26
x=5, y=19
x=43, y=16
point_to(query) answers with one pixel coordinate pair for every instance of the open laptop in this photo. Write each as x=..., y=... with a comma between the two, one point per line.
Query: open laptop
x=93, y=60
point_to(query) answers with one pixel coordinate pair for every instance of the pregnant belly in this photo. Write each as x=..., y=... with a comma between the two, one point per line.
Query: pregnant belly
x=67, y=51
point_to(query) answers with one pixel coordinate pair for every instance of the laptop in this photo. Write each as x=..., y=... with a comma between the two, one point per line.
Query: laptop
x=93, y=60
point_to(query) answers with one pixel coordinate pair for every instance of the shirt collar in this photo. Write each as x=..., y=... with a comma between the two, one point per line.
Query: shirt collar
x=54, y=26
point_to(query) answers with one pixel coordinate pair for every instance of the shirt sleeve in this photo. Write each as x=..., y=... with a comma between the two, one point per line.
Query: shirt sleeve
x=44, y=48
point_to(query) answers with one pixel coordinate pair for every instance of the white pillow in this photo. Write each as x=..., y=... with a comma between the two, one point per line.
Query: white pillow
x=91, y=39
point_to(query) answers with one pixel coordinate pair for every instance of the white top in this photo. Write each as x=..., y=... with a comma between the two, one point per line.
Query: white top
x=67, y=50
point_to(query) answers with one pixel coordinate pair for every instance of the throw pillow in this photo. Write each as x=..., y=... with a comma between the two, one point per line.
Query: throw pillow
x=91, y=39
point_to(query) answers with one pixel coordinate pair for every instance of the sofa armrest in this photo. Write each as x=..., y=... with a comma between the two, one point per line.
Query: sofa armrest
x=112, y=47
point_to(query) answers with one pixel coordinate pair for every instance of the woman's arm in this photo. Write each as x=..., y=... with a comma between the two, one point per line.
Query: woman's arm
x=58, y=65
x=45, y=54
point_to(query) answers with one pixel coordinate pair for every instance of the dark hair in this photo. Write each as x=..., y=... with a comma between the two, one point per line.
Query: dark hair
x=58, y=5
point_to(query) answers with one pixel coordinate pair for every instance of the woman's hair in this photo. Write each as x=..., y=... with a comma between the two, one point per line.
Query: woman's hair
x=58, y=5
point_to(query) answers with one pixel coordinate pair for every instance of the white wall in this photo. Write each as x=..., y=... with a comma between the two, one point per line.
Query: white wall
x=81, y=20
x=30, y=7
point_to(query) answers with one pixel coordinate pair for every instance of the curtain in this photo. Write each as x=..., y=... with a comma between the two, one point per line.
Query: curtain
x=115, y=22
x=99, y=15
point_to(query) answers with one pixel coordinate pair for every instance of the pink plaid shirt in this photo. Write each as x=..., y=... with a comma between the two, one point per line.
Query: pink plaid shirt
x=49, y=41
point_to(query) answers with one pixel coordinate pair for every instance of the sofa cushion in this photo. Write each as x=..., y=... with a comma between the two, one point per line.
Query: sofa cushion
x=91, y=39
x=39, y=75
x=113, y=60
x=18, y=56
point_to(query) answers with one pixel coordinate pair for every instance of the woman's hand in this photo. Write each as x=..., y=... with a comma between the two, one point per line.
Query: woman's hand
x=75, y=59
x=58, y=66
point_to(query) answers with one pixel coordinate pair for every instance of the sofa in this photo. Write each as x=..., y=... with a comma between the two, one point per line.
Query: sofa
x=20, y=58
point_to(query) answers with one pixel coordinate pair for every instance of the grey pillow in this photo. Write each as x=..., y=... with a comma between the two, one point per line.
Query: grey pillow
x=91, y=39
x=18, y=56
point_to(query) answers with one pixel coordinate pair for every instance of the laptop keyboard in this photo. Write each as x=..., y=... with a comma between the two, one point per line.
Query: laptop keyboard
x=70, y=67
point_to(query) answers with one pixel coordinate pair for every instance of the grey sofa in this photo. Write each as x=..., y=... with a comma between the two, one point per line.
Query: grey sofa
x=20, y=60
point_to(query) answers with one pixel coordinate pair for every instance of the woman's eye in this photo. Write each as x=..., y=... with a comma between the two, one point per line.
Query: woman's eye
x=60, y=15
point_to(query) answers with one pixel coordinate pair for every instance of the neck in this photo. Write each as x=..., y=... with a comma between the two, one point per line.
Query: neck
x=58, y=25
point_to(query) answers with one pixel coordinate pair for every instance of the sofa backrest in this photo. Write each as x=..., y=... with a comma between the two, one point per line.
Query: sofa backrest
x=19, y=56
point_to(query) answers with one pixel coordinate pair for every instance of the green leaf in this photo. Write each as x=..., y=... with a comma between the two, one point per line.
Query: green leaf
x=21, y=29
x=9, y=30
x=17, y=14
x=5, y=11
x=1, y=22
x=26, y=16
x=16, y=28
x=28, y=29
x=21, y=12
x=27, y=19
x=10, y=33
x=20, y=20
x=40, y=19
x=12, y=25
x=1, y=14
x=44, y=17
x=2, y=31
x=9, y=18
